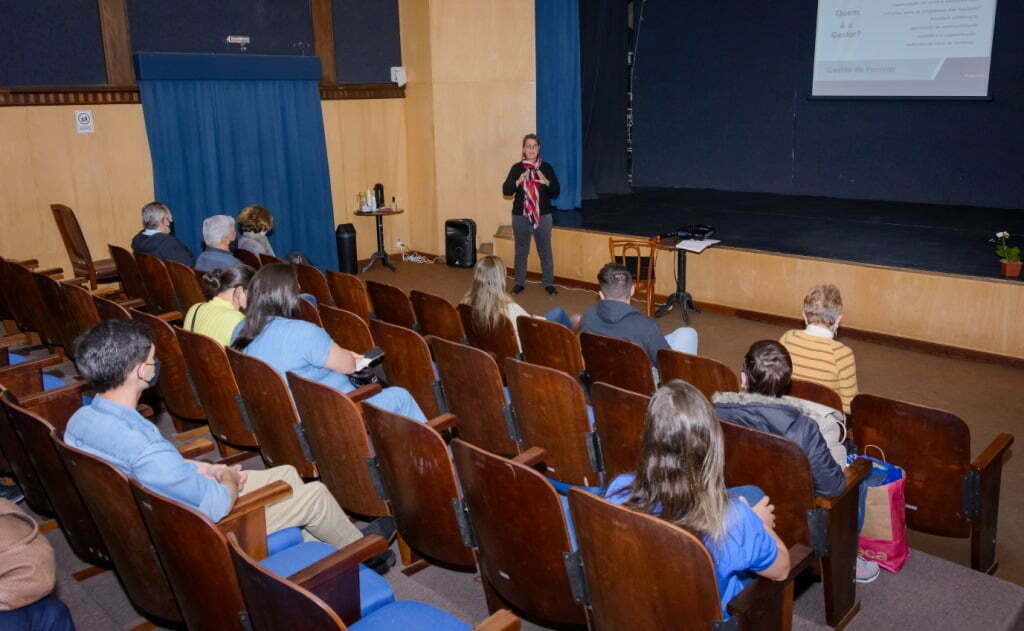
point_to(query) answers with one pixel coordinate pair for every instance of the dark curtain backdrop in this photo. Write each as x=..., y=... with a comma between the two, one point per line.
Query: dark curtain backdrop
x=226, y=131
x=604, y=42
x=558, y=93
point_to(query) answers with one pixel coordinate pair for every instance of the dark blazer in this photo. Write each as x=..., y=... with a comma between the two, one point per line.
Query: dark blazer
x=163, y=246
x=546, y=193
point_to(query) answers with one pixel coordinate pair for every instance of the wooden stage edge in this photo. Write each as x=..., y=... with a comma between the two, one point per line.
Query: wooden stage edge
x=943, y=314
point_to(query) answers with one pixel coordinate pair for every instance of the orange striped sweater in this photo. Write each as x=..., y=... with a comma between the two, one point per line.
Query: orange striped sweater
x=823, y=360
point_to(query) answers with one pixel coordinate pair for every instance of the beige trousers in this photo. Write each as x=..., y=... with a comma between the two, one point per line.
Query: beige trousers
x=311, y=507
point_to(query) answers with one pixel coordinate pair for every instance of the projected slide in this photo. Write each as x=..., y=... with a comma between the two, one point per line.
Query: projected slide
x=903, y=47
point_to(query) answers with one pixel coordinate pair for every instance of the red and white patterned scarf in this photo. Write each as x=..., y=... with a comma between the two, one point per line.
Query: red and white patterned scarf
x=531, y=190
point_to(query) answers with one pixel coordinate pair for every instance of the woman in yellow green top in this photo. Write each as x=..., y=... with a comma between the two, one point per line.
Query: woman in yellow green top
x=218, y=317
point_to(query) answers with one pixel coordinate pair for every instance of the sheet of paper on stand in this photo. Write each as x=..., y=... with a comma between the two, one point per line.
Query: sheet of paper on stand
x=693, y=245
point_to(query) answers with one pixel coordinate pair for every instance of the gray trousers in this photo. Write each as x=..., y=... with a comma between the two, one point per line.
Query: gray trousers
x=523, y=230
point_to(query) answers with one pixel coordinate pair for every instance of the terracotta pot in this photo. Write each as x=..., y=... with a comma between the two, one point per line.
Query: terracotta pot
x=1010, y=270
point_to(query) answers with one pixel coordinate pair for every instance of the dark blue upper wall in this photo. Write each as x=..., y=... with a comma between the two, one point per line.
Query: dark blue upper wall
x=51, y=42
x=366, y=40
x=721, y=102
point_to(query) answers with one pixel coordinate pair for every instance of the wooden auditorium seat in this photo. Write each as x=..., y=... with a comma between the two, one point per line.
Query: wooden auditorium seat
x=349, y=293
x=187, y=286
x=500, y=341
x=953, y=495
x=617, y=362
x=80, y=306
x=130, y=277
x=270, y=259
x=249, y=258
x=705, y=374
x=312, y=281
x=35, y=314
x=550, y=344
x=436, y=316
x=407, y=364
x=619, y=419
x=59, y=311
x=346, y=328
x=811, y=391
x=309, y=312
x=96, y=271
x=391, y=304
x=110, y=310
x=158, y=283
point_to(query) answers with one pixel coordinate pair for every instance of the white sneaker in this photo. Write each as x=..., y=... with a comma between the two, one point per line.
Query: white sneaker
x=867, y=571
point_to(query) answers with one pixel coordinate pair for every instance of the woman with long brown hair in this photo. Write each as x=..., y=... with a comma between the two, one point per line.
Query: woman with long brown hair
x=680, y=478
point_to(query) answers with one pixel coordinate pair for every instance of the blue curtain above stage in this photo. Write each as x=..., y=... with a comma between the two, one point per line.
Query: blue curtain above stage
x=226, y=131
x=558, y=94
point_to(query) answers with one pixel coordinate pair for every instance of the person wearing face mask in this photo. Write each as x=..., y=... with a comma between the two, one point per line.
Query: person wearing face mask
x=533, y=184
x=222, y=313
x=117, y=358
x=817, y=355
x=156, y=238
x=255, y=222
x=218, y=235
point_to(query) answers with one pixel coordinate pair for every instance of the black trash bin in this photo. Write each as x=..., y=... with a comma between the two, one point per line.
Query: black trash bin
x=345, y=235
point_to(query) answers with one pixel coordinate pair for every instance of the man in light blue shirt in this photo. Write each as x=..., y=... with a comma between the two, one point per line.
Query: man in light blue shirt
x=218, y=233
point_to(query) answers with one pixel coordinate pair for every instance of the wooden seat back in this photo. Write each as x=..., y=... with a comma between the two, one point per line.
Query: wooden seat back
x=176, y=383
x=619, y=419
x=333, y=427
x=475, y=395
x=249, y=258
x=391, y=304
x=271, y=412
x=640, y=257
x=130, y=277
x=437, y=316
x=217, y=389
x=407, y=364
x=642, y=572
x=811, y=391
x=270, y=259
x=500, y=341
x=158, y=283
x=75, y=521
x=705, y=374
x=80, y=306
x=58, y=311
x=550, y=344
x=419, y=483
x=551, y=413
x=347, y=329
x=74, y=243
x=309, y=312
x=185, y=281
x=39, y=317
x=6, y=310
x=109, y=310
x=520, y=535
x=107, y=493
x=349, y=293
x=17, y=459
x=617, y=362
x=312, y=281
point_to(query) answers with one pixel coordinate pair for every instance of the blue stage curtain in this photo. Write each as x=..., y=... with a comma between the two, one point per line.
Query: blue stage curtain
x=558, y=94
x=226, y=131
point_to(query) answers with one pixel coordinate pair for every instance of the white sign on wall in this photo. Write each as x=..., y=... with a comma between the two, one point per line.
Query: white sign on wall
x=83, y=122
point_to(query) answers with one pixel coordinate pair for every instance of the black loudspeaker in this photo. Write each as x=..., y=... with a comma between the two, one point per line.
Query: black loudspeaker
x=345, y=236
x=460, y=242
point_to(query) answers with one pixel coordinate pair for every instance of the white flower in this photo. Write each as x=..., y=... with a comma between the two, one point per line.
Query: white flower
x=1003, y=235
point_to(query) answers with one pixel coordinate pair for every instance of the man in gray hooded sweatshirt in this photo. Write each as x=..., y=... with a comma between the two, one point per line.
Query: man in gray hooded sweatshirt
x=614, y=316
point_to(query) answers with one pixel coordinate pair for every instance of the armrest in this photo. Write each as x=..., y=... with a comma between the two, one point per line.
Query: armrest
x=16, y=339
x=993, y=453
x=133, y=303
x=273, y=492
x=199, y=432
x=335, y=579
x=26, y=378
x=532, y=456
x=77, y=280
x=196, y=448
x=443, y=422
x=170, y=316
x=854, y=474
x=248, y=521
x=56, y=272
x=364, y=392
x=501, y=620
x=759, y=597
x=27, y=263
x=76, y=387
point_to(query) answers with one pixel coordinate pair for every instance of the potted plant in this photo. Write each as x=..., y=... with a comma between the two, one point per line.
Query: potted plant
x=1009, y=256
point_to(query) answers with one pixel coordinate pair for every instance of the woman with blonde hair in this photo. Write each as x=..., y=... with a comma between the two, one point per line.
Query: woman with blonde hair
x=254, y=222
x=490, y=301
x=680, y=478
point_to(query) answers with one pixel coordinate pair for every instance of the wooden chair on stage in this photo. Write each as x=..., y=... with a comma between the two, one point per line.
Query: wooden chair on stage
x=347, y=329
x=312, y=281
x=107, y=493
x=270, y=259
x=391, y=304
x=309, y=312
x=551, y=413
x=437, y=316
x=349, y=293
x=130, y=277
x=416, y=477
x=642, y=572
x=186, y=283
x=500, y=341
x=953, y=495
x=332, y=426
x=82, y=263
x=811, y=391
x=705, y=374
x=550, y=344
x=158, y=283
x=827, y=525
x=513, y=518
x=475, y=395
x=640, y=257
x=619, y=419
x=617, y=362
x=407, y=364
x=249, y=258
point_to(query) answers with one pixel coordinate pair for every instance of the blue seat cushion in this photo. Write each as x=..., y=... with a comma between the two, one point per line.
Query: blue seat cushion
x=14, y=358
x=563, y=487
x=283, y=539
x=409, y=615
x=51, y=382
x=374, y=591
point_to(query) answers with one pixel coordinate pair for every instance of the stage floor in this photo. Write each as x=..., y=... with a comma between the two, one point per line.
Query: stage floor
x=951, y=239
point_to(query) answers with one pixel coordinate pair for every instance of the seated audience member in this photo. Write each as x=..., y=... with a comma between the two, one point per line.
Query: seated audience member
x=614, y=316
x=117, y=358
x=817, y=356
x=271, y=332
x=296, y=257
x=220, y=316
x=490, y=300
x=156, y=238
x=682, y=480
x=218, y=233
x=255, y=222
x=27, y=576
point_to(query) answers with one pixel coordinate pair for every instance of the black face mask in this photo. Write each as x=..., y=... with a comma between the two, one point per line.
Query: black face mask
x=156, y=374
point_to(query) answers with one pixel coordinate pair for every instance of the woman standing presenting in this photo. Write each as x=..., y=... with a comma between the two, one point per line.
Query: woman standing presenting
x=533, y=183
